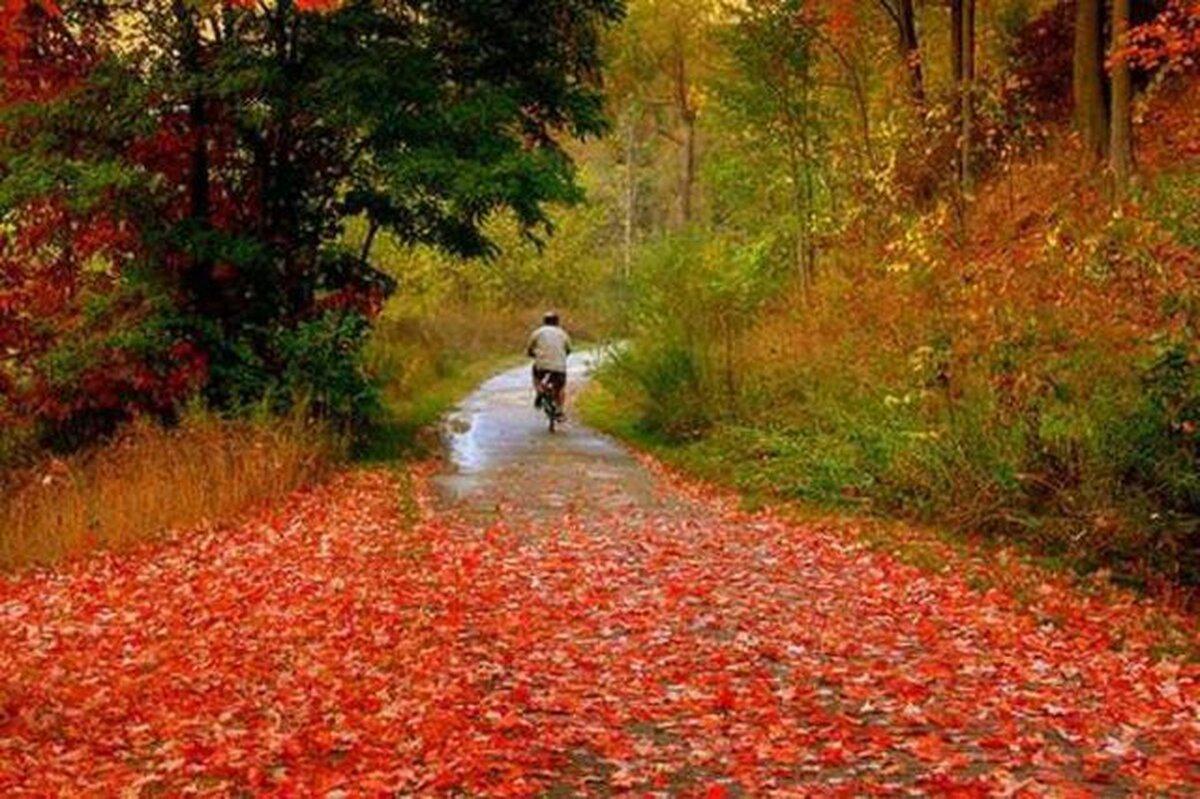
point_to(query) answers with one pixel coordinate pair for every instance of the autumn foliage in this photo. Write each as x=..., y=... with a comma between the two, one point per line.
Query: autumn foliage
x=1171, y=40
x=923, y=287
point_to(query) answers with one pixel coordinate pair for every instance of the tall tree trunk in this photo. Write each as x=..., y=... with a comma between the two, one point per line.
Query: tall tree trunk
x=956, y=43
x=861, y=102
x=687, y=185
x=1121, y=140
x=967, y=91
x=687, y=152
x=910, y=47
x=799, y=198
x=630, y=194
x=198, y=278
x=1088, y=79
x=286, y=182
x=810, y=192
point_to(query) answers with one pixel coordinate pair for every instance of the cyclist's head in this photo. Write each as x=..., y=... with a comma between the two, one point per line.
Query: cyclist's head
x=550, y=318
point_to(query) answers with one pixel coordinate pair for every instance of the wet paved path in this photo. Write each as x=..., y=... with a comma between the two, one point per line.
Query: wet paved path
x=502, y=460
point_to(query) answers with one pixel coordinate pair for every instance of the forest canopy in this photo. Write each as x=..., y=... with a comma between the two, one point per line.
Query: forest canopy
x=175, y=178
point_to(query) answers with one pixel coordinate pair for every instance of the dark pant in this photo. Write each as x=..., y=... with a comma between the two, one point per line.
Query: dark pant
x=557, y=381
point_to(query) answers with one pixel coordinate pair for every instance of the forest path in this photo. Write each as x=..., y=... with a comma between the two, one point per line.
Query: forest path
x=502, y=460
x=558, y=617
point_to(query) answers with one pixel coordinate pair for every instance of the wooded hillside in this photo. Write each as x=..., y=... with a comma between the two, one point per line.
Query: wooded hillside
x=929, y=258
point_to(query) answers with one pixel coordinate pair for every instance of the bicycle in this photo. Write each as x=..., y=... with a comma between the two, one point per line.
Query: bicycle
x=548, y=402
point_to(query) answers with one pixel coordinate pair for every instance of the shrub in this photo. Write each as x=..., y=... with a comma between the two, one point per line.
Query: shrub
x=323, y=367
x=690, y=302
x=668, y=380
x=1165, y=440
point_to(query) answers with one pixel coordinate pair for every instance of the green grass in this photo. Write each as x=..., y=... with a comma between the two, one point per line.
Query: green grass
x=761, y=463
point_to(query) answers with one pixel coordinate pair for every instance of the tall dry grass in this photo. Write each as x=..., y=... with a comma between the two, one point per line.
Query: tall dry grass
x=152, y=479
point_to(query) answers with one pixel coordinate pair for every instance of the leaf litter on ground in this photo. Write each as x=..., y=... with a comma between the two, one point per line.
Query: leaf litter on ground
x=338, y=645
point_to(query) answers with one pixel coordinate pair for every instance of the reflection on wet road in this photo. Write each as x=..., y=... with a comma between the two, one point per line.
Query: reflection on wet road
x=503, y=460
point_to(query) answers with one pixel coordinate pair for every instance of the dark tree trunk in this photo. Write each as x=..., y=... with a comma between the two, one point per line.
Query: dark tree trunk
x=967, y=90
x=1088, y=79
x=286, y=185
x=910, y=47
x=956, y=43
x=903, y=13
x=198, y=277
x=1121, y=140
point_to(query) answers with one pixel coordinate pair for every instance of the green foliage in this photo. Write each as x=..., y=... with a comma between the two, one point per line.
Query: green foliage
x=1174, y=201
x=667, y=379
x=1098, y=463
x=1164, y=439
x=323, y=366
x=573, y=268
x=688, y=301
x=317, y=365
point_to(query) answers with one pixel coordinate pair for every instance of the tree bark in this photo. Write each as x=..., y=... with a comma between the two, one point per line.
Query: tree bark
x=910, y=47
x=364, y=255
x=630, y=194
x=967, y=91
x=688, y=168
x=810, y=192
x=286, y=184
x=1121, y=140
x=687, y=153
x=198, y=277
x=1088, y=80
x=859, y=90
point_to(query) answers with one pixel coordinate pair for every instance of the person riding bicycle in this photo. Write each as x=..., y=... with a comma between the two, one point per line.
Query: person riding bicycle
x=549, y=347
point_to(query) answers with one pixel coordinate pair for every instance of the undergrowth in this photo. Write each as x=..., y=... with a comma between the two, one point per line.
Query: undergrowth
x=425, y=362
x=151, y=479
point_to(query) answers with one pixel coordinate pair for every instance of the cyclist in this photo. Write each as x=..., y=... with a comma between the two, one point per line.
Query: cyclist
x=549, y=347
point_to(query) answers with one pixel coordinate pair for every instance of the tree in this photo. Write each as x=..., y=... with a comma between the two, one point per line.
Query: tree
x=233, y=141
x=659, y=61
x=771, y=92
x=903, y=14
x=1088, y=79
x=1121, y=144
x=966, y=41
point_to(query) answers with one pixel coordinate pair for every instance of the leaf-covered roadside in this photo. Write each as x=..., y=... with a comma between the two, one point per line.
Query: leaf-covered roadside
x=688, y=648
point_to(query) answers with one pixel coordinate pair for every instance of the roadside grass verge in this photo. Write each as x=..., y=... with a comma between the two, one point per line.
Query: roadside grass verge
x=763, y=474
x=408, y=429
x=425, y=364
x=856, y=467
x=152, y=479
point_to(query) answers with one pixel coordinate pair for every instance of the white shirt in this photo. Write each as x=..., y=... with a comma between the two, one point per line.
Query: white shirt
x=550, y=345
